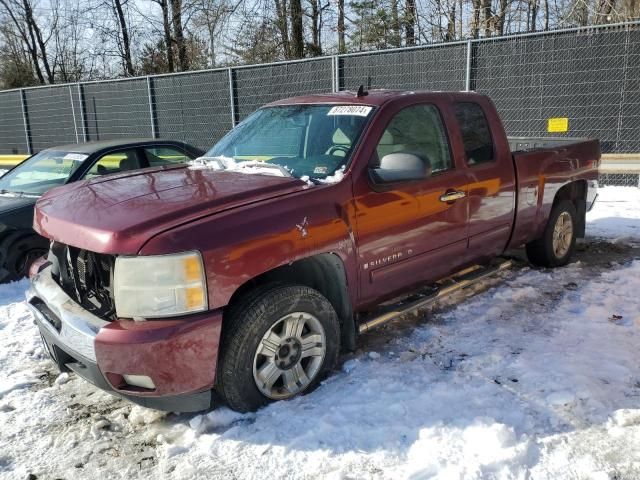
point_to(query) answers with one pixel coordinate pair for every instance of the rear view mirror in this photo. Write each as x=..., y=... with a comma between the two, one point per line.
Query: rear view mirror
x=397, y=167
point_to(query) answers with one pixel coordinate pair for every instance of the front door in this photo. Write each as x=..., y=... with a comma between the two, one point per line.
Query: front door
x=411, y=231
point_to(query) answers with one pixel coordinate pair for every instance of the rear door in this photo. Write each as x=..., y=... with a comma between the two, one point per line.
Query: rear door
x=410, y=231
x=491, y=178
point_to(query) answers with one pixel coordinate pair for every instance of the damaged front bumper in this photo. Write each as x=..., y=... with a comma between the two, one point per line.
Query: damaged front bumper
x=179, y=355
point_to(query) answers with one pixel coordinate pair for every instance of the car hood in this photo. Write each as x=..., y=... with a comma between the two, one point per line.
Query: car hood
x=10, y=202
x=120, y=213
x=16, y=211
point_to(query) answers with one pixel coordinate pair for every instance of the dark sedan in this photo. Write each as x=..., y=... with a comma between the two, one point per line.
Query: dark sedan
x=21, y=186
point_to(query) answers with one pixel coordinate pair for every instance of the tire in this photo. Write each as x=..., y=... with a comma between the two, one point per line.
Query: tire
x=262, y=354
x=557, y=244
x=6, y=242
x=18, y=252
x=9, y=239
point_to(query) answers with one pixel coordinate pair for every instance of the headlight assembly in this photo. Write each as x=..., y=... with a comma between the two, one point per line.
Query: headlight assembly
x=156, y=286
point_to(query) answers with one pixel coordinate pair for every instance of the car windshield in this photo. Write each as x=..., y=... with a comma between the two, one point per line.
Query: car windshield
x=312, y=141
x=41, y=172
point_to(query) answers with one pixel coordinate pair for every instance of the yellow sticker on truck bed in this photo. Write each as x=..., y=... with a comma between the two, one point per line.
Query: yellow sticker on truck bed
x=558, y=125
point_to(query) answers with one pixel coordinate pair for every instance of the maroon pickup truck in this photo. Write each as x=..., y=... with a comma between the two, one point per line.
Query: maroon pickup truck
x=246, y=272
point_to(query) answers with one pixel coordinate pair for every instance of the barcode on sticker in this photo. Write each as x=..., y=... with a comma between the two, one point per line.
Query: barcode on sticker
x=357, y=110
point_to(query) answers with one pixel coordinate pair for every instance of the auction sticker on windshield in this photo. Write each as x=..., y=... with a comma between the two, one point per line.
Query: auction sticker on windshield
x=357, y=110
x=75, y=156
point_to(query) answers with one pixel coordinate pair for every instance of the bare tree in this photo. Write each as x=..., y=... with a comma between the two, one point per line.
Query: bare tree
x=21, y=14
x=212, y=15
x=314, y=48
x=124, y=31
x=342, y=46
x=282, y=24
x=166, y=29
x=297, y=33
x=178, y=34
x=410, y=22
x=16, y=69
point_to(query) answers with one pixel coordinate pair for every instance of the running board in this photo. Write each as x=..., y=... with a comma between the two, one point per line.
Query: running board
x=459, y=281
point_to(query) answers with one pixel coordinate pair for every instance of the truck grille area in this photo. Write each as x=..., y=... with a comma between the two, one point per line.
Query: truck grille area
x=85, y=276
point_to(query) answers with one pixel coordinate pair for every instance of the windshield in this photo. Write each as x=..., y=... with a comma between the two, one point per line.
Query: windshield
x=314, y=141
x=41, y=172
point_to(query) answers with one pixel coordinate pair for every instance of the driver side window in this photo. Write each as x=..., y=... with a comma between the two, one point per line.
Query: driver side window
x=418, y=131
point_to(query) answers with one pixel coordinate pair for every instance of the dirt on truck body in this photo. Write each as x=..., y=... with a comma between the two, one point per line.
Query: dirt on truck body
x=247, y=271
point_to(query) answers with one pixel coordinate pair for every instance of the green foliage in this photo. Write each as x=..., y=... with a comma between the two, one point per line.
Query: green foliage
x=153, y=58
x=257, y=44
x=375, y=24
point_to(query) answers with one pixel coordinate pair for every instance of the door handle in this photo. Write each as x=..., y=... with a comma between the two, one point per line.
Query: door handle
x=452, y=196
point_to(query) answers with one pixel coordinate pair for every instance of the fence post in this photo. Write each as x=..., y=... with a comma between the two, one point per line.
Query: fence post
x=232, y=97
x=73, y=113
x=25, y=121
x=83, y=114
x=152, y=116
x=467, y=80
x=335, y=72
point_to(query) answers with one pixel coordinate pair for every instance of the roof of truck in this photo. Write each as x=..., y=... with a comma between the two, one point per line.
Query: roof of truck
x=375, y=97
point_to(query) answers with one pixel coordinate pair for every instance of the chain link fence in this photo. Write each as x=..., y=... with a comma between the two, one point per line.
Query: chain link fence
x=619, y=179
x=589, y=75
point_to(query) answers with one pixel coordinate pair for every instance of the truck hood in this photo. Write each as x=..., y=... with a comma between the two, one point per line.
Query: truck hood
x=119, y=214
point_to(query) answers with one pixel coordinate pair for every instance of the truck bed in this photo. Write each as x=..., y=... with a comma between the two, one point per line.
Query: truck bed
x=559, y=160
x=522, y=144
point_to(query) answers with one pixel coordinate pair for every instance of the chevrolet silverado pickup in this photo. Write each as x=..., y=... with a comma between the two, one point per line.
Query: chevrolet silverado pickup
x=243, y=274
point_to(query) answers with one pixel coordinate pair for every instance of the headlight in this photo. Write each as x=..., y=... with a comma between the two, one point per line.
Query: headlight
x=159, y=285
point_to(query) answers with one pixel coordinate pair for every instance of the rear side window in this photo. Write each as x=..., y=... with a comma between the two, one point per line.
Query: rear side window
x=476, y=135
x=115, y=162
x=158, y=156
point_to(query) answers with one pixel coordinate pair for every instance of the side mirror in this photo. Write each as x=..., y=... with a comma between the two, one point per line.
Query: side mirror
x=397, y=167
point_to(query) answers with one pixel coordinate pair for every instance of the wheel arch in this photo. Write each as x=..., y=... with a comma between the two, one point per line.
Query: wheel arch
x=325, y=273
x=576, y=193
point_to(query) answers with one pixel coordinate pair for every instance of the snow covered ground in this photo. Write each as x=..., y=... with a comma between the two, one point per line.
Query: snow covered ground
x=534, y=377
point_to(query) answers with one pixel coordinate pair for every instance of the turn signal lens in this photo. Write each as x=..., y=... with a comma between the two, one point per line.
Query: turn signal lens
x=194, y=298
x=192, y=269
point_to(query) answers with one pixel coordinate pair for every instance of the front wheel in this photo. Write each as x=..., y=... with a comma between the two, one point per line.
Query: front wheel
x=18, y=251
x=558, y=242
x=277, y=342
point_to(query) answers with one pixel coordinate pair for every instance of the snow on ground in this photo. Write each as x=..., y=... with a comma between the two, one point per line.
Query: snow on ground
x=535, y=377
x=617, y=214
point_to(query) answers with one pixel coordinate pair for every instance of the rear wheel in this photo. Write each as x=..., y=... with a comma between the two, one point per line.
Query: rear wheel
x=277, y=342
x=558, y=242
